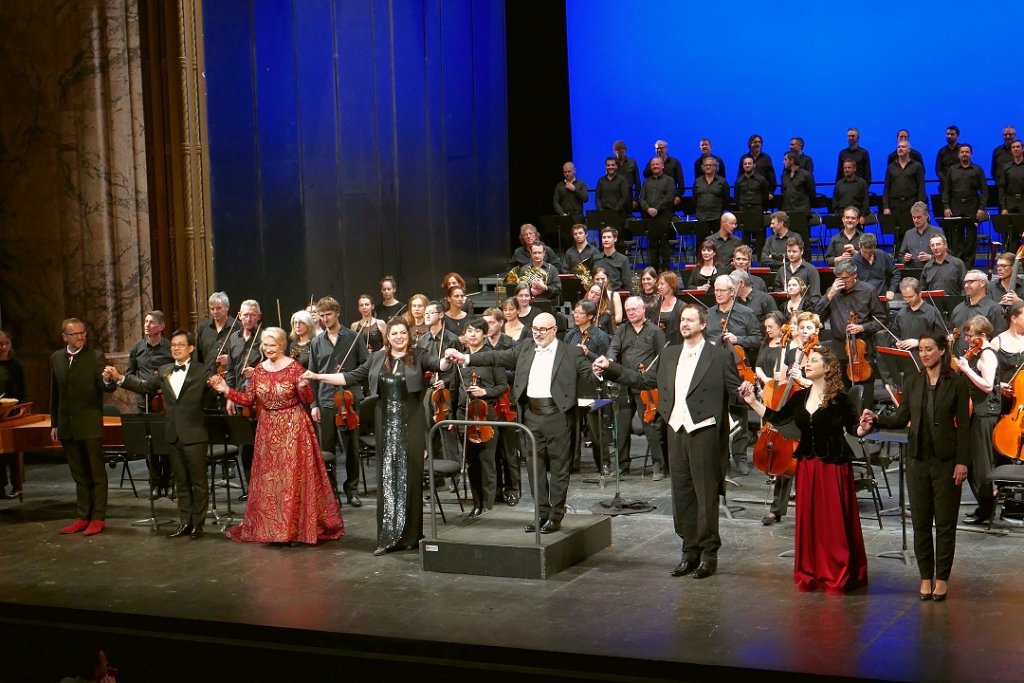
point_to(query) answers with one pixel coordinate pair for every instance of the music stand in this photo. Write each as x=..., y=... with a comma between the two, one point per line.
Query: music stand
x=557, y=226
x=900, y=439
x=898, y=362
x=616, y=505
x=595, y=220
x=1010, y=226
x=143, y=434
x=944, y=302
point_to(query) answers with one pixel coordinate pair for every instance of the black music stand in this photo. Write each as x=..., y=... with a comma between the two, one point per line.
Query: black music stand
x=944, y=302
x=143, y=434
x=557, y=226
x=615, y=505
x=898, y=362
x=595, y=220
x=1010, y=227
x=900, y=439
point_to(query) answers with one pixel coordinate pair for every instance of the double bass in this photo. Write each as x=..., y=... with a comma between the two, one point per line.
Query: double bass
x=773, y=452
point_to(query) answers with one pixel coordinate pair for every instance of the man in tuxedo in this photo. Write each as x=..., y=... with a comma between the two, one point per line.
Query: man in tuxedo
x=698, y=435
x=183, y=383
x=544, y=386
x=76, y=414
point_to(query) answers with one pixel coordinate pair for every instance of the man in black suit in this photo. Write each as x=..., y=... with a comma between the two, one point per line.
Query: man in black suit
x=76, y=416
x=183, y=383
x=698, y=434
x=546, y=375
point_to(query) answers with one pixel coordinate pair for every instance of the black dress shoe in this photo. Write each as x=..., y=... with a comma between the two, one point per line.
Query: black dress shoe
x=685, y=567
x=551, y=526
x=976, y=518
x=197, y=532
x=530, y=528
x=154, y=493
x=704, y=570
x=183, y=530
x=354, y=501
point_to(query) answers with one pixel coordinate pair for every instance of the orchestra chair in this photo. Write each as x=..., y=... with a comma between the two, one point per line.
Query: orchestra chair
x=863, y=469
x=117, y=453
x=223, y=451
x=1009, y=483
x=887, y=231
x=367, y=438
x=330, y=464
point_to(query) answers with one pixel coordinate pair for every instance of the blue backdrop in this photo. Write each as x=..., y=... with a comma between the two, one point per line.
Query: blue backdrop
x=681, y=71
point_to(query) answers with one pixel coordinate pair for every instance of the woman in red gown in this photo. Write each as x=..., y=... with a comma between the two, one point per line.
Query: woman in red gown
x=290, y=496
x=829, y=542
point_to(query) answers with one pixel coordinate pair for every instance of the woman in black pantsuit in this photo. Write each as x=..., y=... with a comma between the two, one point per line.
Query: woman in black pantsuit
x=935, y=405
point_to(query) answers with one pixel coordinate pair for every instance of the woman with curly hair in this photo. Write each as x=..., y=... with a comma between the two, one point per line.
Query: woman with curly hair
x=829, y=543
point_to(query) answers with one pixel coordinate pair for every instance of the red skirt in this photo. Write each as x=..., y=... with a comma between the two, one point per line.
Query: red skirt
x=829, y=543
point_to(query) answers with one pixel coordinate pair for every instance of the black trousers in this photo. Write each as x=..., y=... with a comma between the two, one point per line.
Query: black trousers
x=554, y=461
x=188, y=462
x=329, y=433
x=982, y=463
x=480, y=470
x=780, y=496
x=697, y=466
x=934, y=498
x=657, y=242
x=963, y=242
x=507, y=460
x=85, y=460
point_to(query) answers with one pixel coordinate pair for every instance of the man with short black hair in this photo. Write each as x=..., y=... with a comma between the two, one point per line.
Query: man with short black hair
x=915, y=250
x=773, y=254
x=615, y=263
x=628, y=169
x=947, y=154
x=613, y=191
x=843, y=244
x=850, y=190
x=965, y=195
x=705, y=153
x=762, y=164
x=876, y=268
x=581, y=250
x=944, y=271
x=904, y=185
x=795, y=265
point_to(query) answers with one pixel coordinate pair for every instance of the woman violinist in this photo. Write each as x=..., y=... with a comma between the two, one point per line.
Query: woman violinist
x=979, y=366
x=935, y=406
x=706, y=270
x=301, y=334
x=368, y=324
x=513, y=327
x=829, y=544
x=609, y=309
x=649, y=287
x=413, y=315
x=797, y=299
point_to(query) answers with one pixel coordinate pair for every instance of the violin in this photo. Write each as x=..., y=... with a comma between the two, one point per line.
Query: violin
x=649, y=397
x=476, y=409
x=746, y=374
x=858, y=369
x=346, y=415
x=503, y=408
x=442, y=400
x=155, y=403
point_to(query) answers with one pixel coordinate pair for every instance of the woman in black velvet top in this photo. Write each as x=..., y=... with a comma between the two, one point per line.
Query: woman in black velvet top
x=829, y=543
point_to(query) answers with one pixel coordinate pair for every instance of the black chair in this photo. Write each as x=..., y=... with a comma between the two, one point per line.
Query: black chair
x=330, y=463
x=367, y=438
x=116, y=454
x=864, y=472
x=1009, y=483
x=224, y=451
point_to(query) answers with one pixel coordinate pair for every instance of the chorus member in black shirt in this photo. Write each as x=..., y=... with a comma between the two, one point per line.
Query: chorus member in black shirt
x=773, y=254
x=850, y=190
x=528, y=234
x=904, y=185
x=796, y=145
x=672, y=168
x=796, y=265
x=213, y=332
x=389, y=304
x=724, y=240
x=710, y=192
x=915, y=250
x=846, y=296
x=1011, y=189
x=843, y=244
x=742, y=258
x=965, y=194
x=657, y=203
x=593, y=342
x=903, y=135
x=706, y=270
x=613, y=190
x=999, y=287
x=944, y=271
x=761, y=303
x=977, y=303
x=947, y=155
x=980, y=372
x=916, y=318
x=734, y=326
x=580, y=251
x=935, y=407
x=798, y=299
x=1003, y=154
x=798, y=189
x=856, y=153
x=876, y=268
x=570, y=194
x=636, y=343
x=665, y=312
x=628, y=169
x=144, y=359
x=750, y=191
x=705, y=153
x=615, y=263
x=336, y=350
x=762, y=164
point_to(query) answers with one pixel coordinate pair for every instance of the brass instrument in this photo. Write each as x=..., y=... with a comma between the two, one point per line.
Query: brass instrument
x=499, y=290
x=529, y=276
x=582, y=272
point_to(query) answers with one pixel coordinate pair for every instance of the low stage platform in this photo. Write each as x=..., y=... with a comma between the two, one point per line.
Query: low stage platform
x=211, y=609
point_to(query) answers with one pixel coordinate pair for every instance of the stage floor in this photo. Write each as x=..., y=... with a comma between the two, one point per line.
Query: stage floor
x=156, y=603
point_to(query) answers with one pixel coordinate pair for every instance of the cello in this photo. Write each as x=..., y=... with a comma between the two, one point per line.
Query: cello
x=1008, y=434
x=771, y=393
x=773, y=452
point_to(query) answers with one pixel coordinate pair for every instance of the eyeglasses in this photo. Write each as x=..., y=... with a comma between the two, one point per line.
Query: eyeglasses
x=75, y=334
x=542, y=330
x=967, y=282
x=178, y=346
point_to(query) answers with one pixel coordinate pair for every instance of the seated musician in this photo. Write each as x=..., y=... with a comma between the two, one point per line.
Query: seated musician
x=761, y=303
x=545, y=285
x=876, y=268
x=843, y=244
x=798, y=299
x=999, y=289
x=528, y=234
x=742, y=259
x=796, y=265
x=977, y=303
x=581, y=251
x=980, y=366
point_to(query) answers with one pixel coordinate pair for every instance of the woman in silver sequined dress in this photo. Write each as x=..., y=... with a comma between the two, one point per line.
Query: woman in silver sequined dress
x=395, y=377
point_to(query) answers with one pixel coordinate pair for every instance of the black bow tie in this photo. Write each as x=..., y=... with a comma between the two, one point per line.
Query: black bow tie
x=179, y=367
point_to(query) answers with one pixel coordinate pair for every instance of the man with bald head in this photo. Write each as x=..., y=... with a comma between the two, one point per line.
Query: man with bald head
x=570, y=194
x=724, y=239
x=546, y=373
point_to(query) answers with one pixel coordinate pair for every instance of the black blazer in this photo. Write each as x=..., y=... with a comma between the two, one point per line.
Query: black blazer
x=570, y=367
x=76, y=394
x=821, y=434
x=414, y=380
x=185, y=419
x=713, y=385
x=951, y=434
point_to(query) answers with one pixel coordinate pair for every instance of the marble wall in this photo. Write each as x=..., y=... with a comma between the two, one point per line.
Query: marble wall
x=74, y=225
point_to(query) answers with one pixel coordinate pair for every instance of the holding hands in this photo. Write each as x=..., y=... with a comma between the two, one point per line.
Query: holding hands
x=867, y=422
